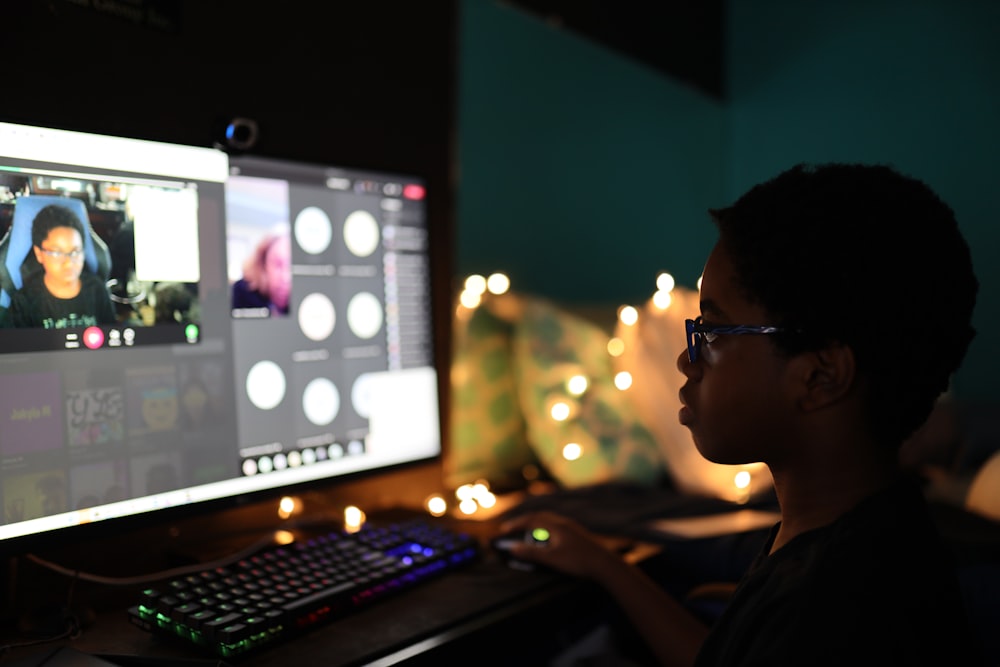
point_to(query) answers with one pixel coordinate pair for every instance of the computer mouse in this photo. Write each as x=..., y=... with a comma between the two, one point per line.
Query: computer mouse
x=503, y=543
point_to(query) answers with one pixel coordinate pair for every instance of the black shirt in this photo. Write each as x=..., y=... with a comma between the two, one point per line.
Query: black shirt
x=876, y=587
x=34, y=306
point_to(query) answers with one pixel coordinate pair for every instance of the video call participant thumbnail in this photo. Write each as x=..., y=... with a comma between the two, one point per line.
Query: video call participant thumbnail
x=266, y=285
x=62, y=294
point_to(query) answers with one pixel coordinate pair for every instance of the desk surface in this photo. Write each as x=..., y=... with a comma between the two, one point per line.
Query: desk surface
x=452, y=615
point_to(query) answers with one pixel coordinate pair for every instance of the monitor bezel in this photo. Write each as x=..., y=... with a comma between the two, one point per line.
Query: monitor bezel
x=168, y=516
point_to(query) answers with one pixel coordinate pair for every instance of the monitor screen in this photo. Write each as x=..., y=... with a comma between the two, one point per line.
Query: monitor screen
x=179, y=326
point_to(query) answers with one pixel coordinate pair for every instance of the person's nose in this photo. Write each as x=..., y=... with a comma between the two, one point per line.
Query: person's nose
x=684, y=365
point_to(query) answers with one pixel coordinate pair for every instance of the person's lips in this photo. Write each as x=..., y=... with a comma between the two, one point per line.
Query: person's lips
x=685, y=416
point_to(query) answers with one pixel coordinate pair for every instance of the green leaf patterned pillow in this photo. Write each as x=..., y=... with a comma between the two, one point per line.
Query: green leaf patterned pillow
x=509, y=370
x=488, y=437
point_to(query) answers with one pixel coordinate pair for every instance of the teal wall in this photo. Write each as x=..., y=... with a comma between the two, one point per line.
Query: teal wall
x=582, y=173
x=912, y=83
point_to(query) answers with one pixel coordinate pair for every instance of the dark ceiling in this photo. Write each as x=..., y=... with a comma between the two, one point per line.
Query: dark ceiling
x=683, y=39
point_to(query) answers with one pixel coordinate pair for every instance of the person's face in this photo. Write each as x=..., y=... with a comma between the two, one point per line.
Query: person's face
x=278, y=266
x=62, y=268
x=735, y=398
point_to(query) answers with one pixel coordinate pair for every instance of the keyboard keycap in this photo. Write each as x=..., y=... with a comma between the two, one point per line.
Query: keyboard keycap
x=265, y=598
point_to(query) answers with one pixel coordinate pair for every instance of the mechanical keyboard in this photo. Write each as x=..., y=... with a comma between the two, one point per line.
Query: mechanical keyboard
x=281, y=591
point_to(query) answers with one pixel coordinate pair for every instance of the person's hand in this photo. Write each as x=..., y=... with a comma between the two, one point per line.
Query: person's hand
x=571, y=548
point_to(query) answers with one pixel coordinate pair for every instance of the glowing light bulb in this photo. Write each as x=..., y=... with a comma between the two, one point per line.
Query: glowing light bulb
x=628, y=315
x=742, y=479
x=287, y=506
x=571, y=451
x=479, y=490
x=577, y=384
x=354, y=518
x=662, y=299
x=470, y=299
x=665, y=282
x=436, y=505
x=498, y=283
x=475, y=284
x=616, y=347
x=559, y=411
x=623, y=380
x=468, y=506
x=284, y=536
x=464, y=492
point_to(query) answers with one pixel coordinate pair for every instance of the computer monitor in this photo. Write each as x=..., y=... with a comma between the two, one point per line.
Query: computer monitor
x=271, y=329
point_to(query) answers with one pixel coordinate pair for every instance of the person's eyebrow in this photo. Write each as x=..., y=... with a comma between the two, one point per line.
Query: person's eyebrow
x=711, y=308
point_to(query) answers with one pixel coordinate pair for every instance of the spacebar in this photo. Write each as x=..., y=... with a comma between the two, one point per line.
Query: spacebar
x=322, y=597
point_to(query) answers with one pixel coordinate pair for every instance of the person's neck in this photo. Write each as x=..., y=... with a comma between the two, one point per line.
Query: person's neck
x=815, y=497
x=62, y=290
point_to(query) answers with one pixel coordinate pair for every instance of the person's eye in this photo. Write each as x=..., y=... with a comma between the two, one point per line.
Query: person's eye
x=710, y=336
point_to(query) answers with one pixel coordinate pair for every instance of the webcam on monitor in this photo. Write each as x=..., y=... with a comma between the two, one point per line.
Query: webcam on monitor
x=240, y=134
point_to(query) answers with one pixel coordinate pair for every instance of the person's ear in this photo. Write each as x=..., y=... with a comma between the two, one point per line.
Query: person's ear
x=827, y=376
x=38, y=253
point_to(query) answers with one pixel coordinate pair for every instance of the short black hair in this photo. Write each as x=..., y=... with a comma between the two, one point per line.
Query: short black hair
x=51, y=217
x=868, y=257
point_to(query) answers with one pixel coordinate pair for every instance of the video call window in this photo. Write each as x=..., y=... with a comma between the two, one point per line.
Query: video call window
x=97, y=258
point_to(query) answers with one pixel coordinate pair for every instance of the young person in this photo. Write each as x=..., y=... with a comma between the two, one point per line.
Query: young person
x=266, y=284
x=835, y=306
x=62, y=294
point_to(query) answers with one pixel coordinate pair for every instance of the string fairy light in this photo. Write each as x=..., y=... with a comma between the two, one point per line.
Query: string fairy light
x=436, y=505
x=576, y=385
x=572, y=451
x=616, y=347
x=628, y=315
x=498, y=283
x=472, y=497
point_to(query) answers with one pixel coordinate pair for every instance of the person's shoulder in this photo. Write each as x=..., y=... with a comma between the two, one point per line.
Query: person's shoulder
x=24, y=303
x=894, y=521
x=33, y=281
x=29, y=293
x=241, y=287
x=90, y=280
x=889, y=548
x=888, y=541
x=245, y=297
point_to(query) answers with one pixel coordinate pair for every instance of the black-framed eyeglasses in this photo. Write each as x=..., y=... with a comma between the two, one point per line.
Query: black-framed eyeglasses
x=73, y=255
x=698, y=331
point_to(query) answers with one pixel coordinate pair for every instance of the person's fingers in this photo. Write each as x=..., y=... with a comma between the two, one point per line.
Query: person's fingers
x=528, y=521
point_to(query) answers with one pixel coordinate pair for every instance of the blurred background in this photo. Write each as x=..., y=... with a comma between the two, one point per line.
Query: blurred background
x=574, y=146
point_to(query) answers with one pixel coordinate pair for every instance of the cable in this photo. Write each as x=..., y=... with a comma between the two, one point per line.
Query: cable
x=73, y=631
x=154, y=576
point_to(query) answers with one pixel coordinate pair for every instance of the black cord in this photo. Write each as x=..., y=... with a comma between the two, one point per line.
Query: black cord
x=155, y=576
x=73, y=631
x=73, y=628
